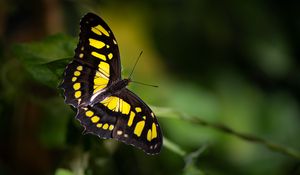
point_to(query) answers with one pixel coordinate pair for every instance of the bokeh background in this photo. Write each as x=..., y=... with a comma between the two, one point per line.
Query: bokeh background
x=224, y=69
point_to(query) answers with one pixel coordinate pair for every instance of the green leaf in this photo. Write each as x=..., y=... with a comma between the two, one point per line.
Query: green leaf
x=45, y=60
x=61, y=171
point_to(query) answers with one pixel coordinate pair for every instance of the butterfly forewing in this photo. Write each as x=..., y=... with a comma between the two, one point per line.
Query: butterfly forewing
x=98, y=55
x=97, y=44
x=76, y=83
x=96, y=68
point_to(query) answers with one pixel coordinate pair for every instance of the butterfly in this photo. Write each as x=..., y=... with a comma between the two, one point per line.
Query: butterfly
x=92, y=83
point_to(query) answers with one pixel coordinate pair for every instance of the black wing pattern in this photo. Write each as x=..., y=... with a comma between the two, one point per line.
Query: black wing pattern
x=96, y=63
x=124, y=117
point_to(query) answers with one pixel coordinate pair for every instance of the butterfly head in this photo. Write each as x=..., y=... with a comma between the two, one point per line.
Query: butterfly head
x=126, y=81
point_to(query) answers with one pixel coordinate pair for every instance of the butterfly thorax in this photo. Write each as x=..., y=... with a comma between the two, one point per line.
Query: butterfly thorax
x=114, y=88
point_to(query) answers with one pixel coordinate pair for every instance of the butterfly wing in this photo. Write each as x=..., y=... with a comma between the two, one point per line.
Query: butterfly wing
x=140, y=124
x=96, y=62
x=124, y=117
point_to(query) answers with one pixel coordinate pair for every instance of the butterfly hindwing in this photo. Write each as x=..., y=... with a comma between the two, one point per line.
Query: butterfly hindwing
x=96, y=121
x=140, y=127
x=126, y=118
x=98, y=55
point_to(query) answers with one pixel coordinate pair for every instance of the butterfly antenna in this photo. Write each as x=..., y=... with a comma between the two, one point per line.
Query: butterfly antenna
x=137, y=60
x=144, y=84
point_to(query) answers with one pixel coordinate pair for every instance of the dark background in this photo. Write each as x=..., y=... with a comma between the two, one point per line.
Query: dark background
x=234, y=63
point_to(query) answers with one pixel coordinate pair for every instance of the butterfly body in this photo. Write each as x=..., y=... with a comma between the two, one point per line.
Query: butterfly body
x=105, y=107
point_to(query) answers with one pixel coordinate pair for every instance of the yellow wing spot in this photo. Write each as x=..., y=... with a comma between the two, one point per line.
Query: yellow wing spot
x=107, y=46
x=98, y=88
x=104, y=67
x=82, y=48
x=100, y=74
x=77, y=94
x=99, y=125
x=152, y=114
x=100, y=81
x=139, y=128
x=131, y=117
x=74, y=79
x=76, y=86
x=125, y=108
x=112, y=105
x=96, y=43
x=96, y=31
x=105, y=126
x=98, y=55
x=77, y=73
x=106, y=100
x=119, y=132
x=89, y=113
x=110, y=55
x=138, y=109
x=149, y=138
x=79, y=68
x=81, y=55
x=115, y=42
x=154, y=132
x=102, y=30
x=111, y=127
x=95, y=119
x=144, y=117
x=99, y=30
x=120, y=104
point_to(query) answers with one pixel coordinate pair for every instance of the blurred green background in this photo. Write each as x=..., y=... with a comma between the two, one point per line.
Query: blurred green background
x=233, y=64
